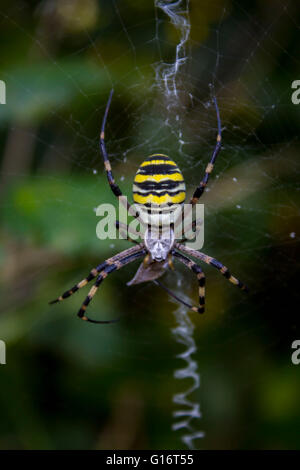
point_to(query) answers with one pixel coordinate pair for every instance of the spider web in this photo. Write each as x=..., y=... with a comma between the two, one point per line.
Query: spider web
x=165, y=61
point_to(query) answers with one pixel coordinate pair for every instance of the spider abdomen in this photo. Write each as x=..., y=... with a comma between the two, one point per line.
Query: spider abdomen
x=158, y=183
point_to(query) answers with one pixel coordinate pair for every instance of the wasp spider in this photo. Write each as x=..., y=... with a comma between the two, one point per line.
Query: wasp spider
x=158, y=184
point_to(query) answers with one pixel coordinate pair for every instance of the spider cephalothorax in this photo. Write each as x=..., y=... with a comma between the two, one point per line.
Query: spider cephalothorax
x=159, y=244
x=158, y=190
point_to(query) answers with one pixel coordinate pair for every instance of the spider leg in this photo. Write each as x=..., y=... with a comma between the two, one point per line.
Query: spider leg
x=124, y=229
x=120, y=226
x=118, y=264
x=94, y=272
x=160, y=284
x=200, y=276
x=200, y=189
x=195, y=224
x=114, y=187
x=213, y=262
x=107, y=165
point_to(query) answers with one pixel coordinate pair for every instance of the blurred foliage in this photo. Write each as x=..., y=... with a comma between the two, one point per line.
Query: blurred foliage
x=71, y=385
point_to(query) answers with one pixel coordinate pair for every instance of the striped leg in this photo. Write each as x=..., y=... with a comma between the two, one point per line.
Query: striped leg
x=178, y=299
x=118, y=264
x=213, y=262
x=200, y=189
x=196, y=224
x=94, y=272
x=114, y=187
x=124, y=229
x=201, y=279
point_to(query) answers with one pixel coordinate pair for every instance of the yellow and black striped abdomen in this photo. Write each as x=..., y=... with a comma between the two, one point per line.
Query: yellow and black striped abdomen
x=158, y=182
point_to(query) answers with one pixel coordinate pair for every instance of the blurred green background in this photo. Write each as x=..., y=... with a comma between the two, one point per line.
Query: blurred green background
x=68, y=384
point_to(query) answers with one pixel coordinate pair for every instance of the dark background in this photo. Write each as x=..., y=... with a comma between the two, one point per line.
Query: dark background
x=68, y=384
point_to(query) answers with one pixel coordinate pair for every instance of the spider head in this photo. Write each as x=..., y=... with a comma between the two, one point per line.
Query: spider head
x=159, y=244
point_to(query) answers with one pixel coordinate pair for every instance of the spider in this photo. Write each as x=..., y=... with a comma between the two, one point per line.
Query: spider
x=158, y=183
